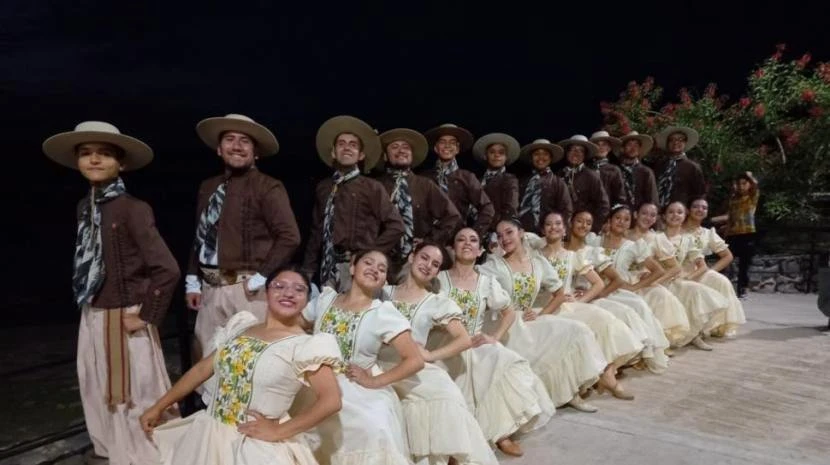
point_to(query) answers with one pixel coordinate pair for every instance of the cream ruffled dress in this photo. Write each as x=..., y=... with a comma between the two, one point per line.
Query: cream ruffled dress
x=249, y=373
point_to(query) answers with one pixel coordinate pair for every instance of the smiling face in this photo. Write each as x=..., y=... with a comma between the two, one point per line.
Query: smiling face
x=399, y=154
x=554, y=227
x=447, y=147
x=496, y=155
x=369, y=271
x=646, y=216
x=699, y=210
x=347, y=150
x=426, y=263
x=541, y=159
x=631, y=149
x=675, y=214
x=581, y=224
x=287, y=295
x=99, y=162
x=620, y=222
x=676, y=143
x=509, y=236
x=604, y=148
x=237, y=150
x=467, y=246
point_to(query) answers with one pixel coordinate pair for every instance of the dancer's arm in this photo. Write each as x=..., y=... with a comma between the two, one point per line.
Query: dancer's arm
x=194, y=377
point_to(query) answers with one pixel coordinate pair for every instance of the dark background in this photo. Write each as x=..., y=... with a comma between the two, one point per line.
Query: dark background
x=154, y=69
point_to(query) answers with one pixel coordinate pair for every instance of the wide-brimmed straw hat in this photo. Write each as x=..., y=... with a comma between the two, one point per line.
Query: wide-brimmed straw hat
x=480, y=147
x=591, y=148
x=61, y=147
x=465, y=137
x=604, y=136
x=415, y=139
x=337, y=125
x=692, y=137
x=646, y=142
x=210, y=129
x=556, y=152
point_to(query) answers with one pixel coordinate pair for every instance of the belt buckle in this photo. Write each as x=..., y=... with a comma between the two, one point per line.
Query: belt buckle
x=229, y=276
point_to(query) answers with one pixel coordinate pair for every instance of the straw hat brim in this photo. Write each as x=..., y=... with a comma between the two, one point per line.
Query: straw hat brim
x=692, y=137
x=646, y=143
x=415, y=139
x=591, y=148
x=615, y=142
x=210, y=129
x=513, y=149
x=61, y=148
x=465, y=137
x=337, y=125
x=556, y=152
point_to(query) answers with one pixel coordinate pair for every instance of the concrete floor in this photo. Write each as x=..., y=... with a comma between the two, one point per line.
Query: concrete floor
x=762, y=398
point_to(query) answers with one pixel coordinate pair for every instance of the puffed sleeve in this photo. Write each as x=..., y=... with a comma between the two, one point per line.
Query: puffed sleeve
x=497, y=270
x=318, y=305
x=445, y=311
x=598, y=259
x=318, y=350
x=548, y=277
x=236, y=325
x=715, y=243
x=533, y=241
x=642, y=251
x=693, y=253
x=496, y=298
x=582, y=264
x=593, y=239
x=663, y=248
x=390, y=322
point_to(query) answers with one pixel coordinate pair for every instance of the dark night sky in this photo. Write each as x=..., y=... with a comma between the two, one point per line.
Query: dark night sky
x=154, y=69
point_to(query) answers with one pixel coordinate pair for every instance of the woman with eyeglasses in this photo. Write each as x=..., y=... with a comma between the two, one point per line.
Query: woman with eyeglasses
x=255, y=371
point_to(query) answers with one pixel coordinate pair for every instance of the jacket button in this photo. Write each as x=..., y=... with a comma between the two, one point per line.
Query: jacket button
x=157, y=292
x=114, y=225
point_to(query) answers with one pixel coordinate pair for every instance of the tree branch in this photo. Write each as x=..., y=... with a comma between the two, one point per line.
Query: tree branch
x=781, y=148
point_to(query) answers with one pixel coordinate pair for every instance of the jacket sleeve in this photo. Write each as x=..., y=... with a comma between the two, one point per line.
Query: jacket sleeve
x=315, y=236
x=160, y=264
x=483, y=204
x=442, y=210
x=279, y=217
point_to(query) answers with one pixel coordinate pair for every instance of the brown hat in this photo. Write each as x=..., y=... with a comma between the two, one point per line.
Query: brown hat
x=337, y=125
x=210, y=129
x=465, y=137
x=61, y=147
x=415, y=139
x=480, y=147
x=591, y=148
x=646, y=142
x=556, y=152
x=692, y=137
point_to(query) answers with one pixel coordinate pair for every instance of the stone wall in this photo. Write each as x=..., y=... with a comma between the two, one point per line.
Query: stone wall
x=784, y=273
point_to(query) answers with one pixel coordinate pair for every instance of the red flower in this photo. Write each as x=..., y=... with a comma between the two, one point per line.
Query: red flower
x=717, y=168
x=808, y=95
x=645, y=105
x=604, y=108
x=669, y=109
x=816, y=111
x=744, y=102
x=803, y=61
x=760, y=111
x=685, y=98
x=759, y=73
x=634, y=89
x=649, y=122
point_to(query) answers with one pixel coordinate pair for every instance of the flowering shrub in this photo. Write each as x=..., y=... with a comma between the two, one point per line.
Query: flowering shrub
x=779, y=130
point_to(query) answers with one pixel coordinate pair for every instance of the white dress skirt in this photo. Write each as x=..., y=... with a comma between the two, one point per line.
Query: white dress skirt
x=248, y=374
x=563, y=352
x=370, y=427
x=439, y=424
x=709, y=242
x=498, y=384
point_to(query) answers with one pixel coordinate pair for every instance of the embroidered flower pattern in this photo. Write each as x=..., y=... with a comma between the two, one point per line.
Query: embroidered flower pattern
x=406, y=309
x=524, y=288
x=235, y=368
x=560, y=265
x=468, y=301
x=342, y=325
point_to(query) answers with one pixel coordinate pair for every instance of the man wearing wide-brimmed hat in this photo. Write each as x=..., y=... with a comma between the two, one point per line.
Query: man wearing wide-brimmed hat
x=460, y=185
x=351, y=212
x=497, y=151
x=245, y=229
x=638, y=179
x=543, y=192
x=611, y=175
x=585, y=186
x=123, y=280
x=426, y=211
x=678, y=178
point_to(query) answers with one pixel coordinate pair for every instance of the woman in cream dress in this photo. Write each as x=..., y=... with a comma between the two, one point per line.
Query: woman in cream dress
x=258, y=368
x=709, y=243
x=621, y=338
x=370, y=429
x=706, y=306
x=438, y=422
x=641, y=272
x=498, y=384
x=581, y=277
x=561, y=353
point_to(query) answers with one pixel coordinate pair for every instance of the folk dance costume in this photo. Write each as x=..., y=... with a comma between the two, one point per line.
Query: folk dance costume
x=498, y=384
x=564, y=353
x=249, y=374
x=610, y=175
x=709, y=242
x=628, y=260
x=501, y=187
x=461, y=186
x=351, y=212
x=543, y=192
x=122, y=268
x=638, y=179
x=245, y=230
x=439, y=424
x=370, y=427
x=679, y=179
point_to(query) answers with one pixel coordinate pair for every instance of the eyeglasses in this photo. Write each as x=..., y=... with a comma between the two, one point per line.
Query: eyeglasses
x=282, y=286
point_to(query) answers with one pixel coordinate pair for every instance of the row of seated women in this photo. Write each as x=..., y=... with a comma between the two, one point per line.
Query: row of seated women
x=457, y=359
